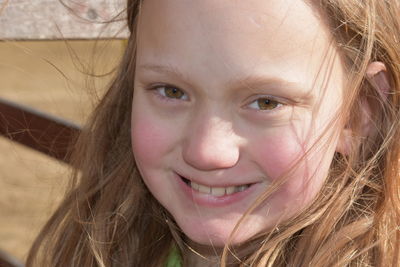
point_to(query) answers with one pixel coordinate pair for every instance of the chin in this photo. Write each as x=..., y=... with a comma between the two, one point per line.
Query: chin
x=217, y=237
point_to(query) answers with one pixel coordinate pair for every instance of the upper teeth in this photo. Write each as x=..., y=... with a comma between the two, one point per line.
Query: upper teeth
x=217, y=191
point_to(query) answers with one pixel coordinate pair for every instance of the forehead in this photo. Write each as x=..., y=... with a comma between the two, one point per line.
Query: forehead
x=234, y=37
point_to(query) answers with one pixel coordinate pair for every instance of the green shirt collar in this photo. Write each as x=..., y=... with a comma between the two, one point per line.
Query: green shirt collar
x=174, y=258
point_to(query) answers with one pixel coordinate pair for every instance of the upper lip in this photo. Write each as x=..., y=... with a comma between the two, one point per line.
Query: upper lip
x=220, y=184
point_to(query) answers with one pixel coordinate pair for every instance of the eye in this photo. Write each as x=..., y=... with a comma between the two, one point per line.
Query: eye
x=171, y=92
x=265, y=103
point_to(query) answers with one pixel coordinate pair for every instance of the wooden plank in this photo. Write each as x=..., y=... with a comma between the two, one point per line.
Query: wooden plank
x=62, y=19
x=7, y=260
x=47, y=134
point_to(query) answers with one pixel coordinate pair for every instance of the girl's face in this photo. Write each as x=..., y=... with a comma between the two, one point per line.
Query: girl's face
x=228, y=96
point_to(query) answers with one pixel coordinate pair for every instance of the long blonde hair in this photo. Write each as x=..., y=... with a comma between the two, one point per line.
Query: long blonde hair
x=109, y=218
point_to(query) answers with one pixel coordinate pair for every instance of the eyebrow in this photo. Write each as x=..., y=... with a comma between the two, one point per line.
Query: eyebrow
x=250, y=81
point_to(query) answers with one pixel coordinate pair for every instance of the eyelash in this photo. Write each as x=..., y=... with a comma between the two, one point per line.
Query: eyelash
x=158, y=91
x=271, y=100
x=158, y=88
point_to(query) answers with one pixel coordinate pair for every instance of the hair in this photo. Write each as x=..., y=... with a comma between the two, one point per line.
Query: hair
x=109, y=218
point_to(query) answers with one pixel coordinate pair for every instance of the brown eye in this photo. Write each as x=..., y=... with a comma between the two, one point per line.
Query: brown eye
x=171, y=92
x=265, y=104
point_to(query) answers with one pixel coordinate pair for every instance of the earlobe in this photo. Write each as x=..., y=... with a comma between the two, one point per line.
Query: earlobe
x=344, y=142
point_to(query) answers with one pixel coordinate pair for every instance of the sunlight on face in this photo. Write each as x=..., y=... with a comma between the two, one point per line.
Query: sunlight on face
x=228, y=96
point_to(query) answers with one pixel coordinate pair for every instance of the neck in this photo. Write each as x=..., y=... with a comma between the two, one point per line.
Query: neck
x=207, y=256
x=202, y=256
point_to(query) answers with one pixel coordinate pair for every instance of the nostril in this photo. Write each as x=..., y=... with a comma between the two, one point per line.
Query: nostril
x=211, y=144
x=207, y=158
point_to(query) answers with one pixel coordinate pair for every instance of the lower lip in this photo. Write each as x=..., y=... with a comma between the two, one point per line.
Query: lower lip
x=214, y=201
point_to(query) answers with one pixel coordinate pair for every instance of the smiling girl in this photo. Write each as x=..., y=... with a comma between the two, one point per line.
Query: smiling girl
x=241, y=133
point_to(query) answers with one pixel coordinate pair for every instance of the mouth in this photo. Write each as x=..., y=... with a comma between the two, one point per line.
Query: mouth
x=215, y=191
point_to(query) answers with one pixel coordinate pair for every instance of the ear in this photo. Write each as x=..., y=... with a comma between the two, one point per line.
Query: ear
x=345, y=142
x=376, y=75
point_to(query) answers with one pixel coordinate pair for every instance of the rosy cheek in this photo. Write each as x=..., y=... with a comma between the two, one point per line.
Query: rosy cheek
x=149, y=140
x=277, y=155
x=283, y=158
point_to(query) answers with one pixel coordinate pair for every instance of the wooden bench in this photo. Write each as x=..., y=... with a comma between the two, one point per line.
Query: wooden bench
x=22, y=20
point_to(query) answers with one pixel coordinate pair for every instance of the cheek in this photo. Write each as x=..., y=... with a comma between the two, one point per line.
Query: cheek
x=284, y=157
x=277, y=154
x=150, y=139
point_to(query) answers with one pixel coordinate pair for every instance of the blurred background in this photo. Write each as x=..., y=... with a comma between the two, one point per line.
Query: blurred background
x=49, y=73
x=46, y=76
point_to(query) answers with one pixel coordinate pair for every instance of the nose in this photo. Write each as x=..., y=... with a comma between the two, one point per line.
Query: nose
x=211, y=144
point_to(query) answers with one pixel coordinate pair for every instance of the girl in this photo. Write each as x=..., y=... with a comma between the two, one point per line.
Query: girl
x=241, y=133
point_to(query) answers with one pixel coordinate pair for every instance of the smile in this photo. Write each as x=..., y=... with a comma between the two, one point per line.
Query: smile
x=215, y=191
